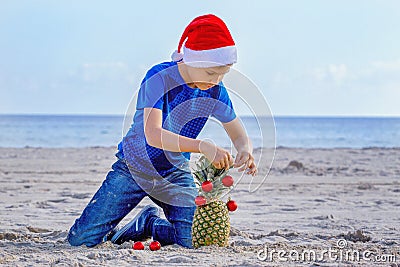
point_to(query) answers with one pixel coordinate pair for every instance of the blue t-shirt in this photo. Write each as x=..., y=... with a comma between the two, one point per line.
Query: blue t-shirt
x=185, y=111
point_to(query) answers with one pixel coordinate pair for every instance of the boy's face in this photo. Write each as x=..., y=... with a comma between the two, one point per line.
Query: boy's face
x=205, y=78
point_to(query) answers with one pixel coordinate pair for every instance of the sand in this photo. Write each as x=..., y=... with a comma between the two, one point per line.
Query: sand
x=312, y=199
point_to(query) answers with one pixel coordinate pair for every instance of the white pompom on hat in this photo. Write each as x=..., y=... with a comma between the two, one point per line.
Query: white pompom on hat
x=176, y=56
x=206, y=42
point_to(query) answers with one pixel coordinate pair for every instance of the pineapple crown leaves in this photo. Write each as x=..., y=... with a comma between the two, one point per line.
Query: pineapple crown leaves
x=206, y=171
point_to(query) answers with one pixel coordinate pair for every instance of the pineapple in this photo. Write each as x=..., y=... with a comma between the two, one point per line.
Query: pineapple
x=211, y=220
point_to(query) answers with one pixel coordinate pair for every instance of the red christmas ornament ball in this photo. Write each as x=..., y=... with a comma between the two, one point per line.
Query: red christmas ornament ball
x=138, y=246
x=207, y=186
x=154, y=245
x=200, y=200
x=232, y=206
x=227, y=181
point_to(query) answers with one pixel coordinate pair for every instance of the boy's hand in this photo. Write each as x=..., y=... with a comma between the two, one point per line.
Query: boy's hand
x=246, y=160
x=218, y=156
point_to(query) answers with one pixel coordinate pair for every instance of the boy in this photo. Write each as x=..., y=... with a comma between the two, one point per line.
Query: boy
x=174, y=102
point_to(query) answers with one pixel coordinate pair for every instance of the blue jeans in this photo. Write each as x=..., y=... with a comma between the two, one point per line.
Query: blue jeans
x=122, y=190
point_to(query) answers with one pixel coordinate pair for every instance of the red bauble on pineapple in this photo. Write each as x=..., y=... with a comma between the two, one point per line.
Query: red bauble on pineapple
x=227, y=181
x=200, y=200
x=232, y=206
x=155, y=245
x=138, y=246
x=207, y=186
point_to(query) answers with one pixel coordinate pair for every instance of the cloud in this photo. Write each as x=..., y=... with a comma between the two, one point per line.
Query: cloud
x=389, y=66
x=373, y=75
x=103, y=71
x=379, y=75
x=98, y=76
x=331, y=73
x=339, y=88
x=337, y=72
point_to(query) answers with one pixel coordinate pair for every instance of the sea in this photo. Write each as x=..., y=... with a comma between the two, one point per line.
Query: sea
x=283, y=131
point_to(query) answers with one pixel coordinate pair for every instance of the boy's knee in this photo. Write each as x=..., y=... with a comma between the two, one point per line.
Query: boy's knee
x=75, y=239
x=185, y=242
x=183, y=234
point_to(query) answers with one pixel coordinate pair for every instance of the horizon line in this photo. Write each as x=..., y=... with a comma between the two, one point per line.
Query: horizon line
x=244, y=115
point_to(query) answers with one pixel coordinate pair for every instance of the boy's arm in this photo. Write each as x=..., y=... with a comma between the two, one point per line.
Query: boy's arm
x=158, y=137
x=242, y=144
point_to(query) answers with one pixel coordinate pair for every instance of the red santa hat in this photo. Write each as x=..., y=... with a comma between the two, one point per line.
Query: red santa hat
x=208, y=43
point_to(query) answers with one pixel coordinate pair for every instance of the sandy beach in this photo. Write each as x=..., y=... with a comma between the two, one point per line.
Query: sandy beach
x=313, y=199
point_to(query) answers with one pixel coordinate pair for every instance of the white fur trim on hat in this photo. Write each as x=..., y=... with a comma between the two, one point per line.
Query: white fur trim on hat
x=210, y=58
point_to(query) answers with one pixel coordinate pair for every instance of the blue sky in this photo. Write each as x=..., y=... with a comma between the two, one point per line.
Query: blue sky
x=307, y=57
